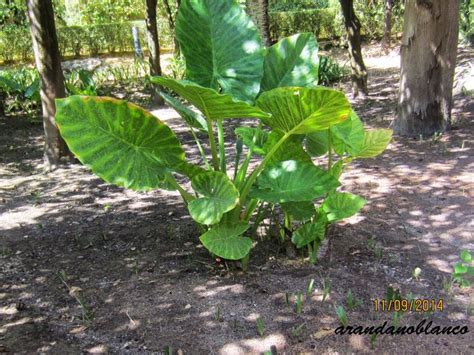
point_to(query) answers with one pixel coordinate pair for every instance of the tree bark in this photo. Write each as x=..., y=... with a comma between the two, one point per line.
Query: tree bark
x=172, y=24
x=387, y=33
x=153, y=46
x=265, y=23
x=428, y=60
x=48, y=63
x=359, y=71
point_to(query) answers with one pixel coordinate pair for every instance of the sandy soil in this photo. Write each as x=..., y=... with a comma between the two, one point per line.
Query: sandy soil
x=88, y=267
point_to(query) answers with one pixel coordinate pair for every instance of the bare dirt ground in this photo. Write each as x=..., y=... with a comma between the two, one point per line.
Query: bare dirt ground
x=88, y=267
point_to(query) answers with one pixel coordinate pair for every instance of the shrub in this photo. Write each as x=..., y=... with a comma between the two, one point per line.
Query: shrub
x=15, y=42
x=320, y=22
x=127, y=146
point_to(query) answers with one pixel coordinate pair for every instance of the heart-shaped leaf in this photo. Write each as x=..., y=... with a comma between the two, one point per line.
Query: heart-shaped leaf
x=375, y=142
x=121, y=142
x=292, y=181
x=299, y=211
x=308, y=233
x=293, y=61
x=304, y=110
x=213, y=105
x=347, y=136
x=292, y=149
x=222, y=47
x=465, y=256
x=219, y=197
x=316, y=143
x=460, y=268
x=226, y=241
x=340, y=205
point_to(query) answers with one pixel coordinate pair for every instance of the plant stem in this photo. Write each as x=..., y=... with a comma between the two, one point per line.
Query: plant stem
x=187, y=197
x=238, y=154
x=329, y=150
x=220, y=138
x=243, y=169
x=251, y=179
x=245, y=261
x=212, y=143
x=200, y=148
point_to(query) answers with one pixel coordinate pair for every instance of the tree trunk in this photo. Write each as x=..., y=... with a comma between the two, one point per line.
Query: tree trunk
x=359, y=71
x=48, y=63
x=153, y=46
x=265, y=23
x=387, y=33
x=428, y=60
x=258, y=11
x=171, y=23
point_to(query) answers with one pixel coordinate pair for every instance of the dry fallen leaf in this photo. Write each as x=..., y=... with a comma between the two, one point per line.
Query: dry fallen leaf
x=324, y=332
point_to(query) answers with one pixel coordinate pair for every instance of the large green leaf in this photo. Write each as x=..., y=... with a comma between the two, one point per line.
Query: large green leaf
x=316, y=143
x=219, y=197
x=299, y=211
x=292, y=149
x=348, y=136
x=340, y=205
x=121, y=142
x=291, y=62
x=225, y=241
x=304, y=110
x=247, y=135
x=192, y=118
x=375, y=142
x=212, y=104
x=222, y=47
x=308, y=233
x=291, y=181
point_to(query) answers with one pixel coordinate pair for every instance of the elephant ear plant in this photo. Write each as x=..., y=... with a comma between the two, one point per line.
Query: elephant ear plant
x=231, y=77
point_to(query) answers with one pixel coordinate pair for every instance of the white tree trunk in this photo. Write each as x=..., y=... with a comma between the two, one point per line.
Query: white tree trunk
x=428, y=60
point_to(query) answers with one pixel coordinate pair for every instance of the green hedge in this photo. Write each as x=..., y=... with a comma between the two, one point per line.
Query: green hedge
x=15, y=42
x=321, y=22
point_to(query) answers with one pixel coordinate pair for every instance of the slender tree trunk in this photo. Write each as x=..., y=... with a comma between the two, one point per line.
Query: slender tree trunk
x=153, y=45
x=258, y=11
x=265, y=23
x=359, y=71
x=48, y=63
x=172, y=24
x=387, y=33
x=428, y=60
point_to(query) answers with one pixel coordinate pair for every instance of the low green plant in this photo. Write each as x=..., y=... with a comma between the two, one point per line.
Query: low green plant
x=260, y=326
x=177, y=67
x=326, y=288
x=127, y=146
x=299, y=302
x=22, y=88
x=76, y=293
x=310, y=288
x=463, y=270
x=352, y=302
x=342, y=315
x=297, y=330
x=81, y=82
x=330, y=71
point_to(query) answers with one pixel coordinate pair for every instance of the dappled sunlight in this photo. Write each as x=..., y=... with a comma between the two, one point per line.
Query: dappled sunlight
x=255, y=345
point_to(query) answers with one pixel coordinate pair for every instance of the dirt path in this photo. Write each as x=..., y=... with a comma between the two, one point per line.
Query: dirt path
x=88, y=267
